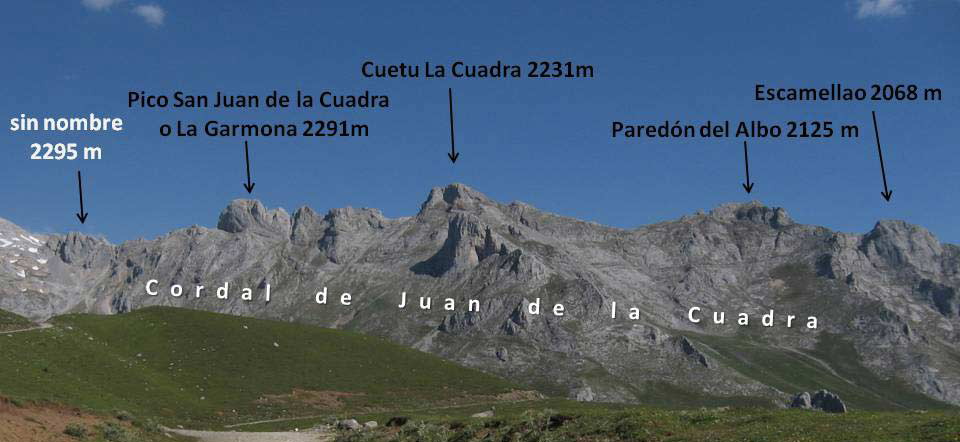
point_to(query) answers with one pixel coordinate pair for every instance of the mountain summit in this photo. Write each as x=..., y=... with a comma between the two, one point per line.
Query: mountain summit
x=886, y=333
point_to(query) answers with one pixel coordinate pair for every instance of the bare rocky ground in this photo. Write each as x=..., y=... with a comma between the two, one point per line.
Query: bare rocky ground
x=34, y=423
x=886, y=301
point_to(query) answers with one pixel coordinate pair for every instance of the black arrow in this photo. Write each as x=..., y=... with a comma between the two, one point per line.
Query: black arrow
x=748, y=186
x=453, y=155
x=82, y=216
x=246, y=153
x=887, y=193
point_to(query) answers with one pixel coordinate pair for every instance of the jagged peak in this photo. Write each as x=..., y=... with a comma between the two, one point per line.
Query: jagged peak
x=455, y=196
x=349, y=217
x=250, y=215
x=902, y=245
x=305, y=212
x=351, y=212
x=897, y=227
x=904, y=235
x=754, y=211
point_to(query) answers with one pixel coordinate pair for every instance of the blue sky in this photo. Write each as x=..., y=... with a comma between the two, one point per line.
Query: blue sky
x=545, y=142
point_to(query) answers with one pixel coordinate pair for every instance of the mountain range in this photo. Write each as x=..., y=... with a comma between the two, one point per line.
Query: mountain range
x=887, y=314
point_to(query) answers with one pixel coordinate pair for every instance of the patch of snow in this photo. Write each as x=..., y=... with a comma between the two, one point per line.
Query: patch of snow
x=32, y=250
x=42, y=260
x=22, y=273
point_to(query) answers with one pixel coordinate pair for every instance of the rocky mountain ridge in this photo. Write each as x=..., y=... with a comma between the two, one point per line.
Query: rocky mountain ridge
x=886, y=302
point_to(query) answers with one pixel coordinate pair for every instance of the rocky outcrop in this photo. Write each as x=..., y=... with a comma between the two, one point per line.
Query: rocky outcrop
x=802, y=401
x=585, y=394
x=687, y=348
x=755, y=213
x=822, y=400
x=455, y=198
x=943, y=297
x=250, y=216
x=902, y=246
x=468, y=243
x=348, y=424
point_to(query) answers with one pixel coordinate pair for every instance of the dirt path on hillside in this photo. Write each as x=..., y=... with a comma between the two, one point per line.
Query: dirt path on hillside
x=834, y=372
x=36, y=327
x=240, y=436
x=813, y=358
x=408, y=411
x=271, y=421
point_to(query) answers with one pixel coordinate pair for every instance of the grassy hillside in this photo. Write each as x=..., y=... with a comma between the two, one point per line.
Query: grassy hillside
x=798, y=371
x=200, y=369
x=833, y=364
x=571, y=422
x=10, y=321
x=206, y=370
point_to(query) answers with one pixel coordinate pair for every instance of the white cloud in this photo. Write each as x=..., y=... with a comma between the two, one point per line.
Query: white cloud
x=99, y=5
x=152, y=14
x=881, y=8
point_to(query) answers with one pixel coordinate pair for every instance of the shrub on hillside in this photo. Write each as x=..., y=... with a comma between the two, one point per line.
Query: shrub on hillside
x=116, y=433
x=76, y=431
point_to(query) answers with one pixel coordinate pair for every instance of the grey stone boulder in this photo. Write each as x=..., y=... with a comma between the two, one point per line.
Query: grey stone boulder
x=585, y=394
x=484, y=414
x=829, y=402
x=801, y=400
x=822, y=400
x=348, y=424
x=370, y=425
x=397, y=421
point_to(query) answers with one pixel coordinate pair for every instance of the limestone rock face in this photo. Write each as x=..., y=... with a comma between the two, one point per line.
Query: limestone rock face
x=753, y=212
x=822, y=400
x=802, y=400
x=827, y=401
x=455, y=197
x=886, y=302
x=585, y=394
x=251, y=216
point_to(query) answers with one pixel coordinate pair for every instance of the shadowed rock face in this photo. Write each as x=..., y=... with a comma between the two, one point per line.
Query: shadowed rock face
x=889, y=296
x=822, y=400
x=827, y=401
x=802, y=400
